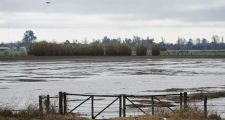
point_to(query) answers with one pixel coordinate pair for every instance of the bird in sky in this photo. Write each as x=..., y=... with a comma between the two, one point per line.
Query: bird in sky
x=48, y=2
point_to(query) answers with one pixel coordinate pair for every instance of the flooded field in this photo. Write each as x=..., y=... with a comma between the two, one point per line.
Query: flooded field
x=22, y=81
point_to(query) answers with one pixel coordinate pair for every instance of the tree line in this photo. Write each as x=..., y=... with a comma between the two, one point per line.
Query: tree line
x=215, y=43
x=45, y=48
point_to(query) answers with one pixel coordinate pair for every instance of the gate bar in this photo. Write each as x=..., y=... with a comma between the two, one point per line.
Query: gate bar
x=80, y=104
x=136, y=106
x=106, y=107
x=167, y=106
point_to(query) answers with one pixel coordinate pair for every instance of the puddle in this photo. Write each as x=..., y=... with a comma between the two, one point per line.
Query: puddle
x=31, y=80
x=70, y=77
x=4, y=88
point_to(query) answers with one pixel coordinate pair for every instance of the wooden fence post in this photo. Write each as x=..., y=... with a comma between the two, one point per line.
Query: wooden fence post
x=40, y=107
x=181, y=101
x=153, y=105
x=60, y=103
x=185, y=100
x=124, y=106
x=92, y=107
x=47, y=104
x=120, y=106
x=65, y=102
x=205, y=106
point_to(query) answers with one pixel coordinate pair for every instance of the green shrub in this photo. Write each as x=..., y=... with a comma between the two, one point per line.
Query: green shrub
x=141, y=50
x=155, y=50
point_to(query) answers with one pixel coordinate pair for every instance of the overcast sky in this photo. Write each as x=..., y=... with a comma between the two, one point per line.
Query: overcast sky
x=93, y=19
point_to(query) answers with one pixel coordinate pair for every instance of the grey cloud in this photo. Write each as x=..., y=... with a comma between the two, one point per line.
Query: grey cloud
x=185, y=10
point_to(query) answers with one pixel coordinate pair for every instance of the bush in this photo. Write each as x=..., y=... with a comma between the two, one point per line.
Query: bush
x=97, y=50
x=120, y=50
x=123, y=50
x=155, y=50
x=110, y=50
x=141, y=50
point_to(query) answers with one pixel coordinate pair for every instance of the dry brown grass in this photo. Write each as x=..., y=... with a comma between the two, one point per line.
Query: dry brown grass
x=187, y=114
x=146, y=117
x=32, y=113
x=47, y=117
x=7, y=113
x=64, y=117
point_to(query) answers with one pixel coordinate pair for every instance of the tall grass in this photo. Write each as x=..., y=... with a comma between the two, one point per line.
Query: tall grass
x=191, y=113
x=120, y=50
x=53, y=49
x=29, y=113
x=155, y=50
x=141, y=50
x=32, y=113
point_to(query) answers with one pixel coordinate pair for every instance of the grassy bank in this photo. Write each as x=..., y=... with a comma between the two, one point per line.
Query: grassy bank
x=32, y=113
x=12, y=54
x=194, y=53
x=189, y=114
x=100, y=58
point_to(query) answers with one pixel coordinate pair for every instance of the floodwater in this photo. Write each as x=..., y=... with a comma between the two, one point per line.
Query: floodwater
x=21, y=82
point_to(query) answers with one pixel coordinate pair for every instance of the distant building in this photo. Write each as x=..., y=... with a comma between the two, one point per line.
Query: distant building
x=2, y=49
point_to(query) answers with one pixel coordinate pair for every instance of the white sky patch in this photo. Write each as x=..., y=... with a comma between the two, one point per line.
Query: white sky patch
x=203, y=5
x=62, y=34
x=41, y=20
x=93, y=19
x=2, y=22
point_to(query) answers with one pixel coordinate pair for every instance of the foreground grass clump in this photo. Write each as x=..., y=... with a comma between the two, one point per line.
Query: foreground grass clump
x=47, y=117
x=32, y=113
x=29, y=113
x=193, y=113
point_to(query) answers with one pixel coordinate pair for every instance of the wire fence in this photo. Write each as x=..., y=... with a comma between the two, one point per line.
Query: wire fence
x=111, y=106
